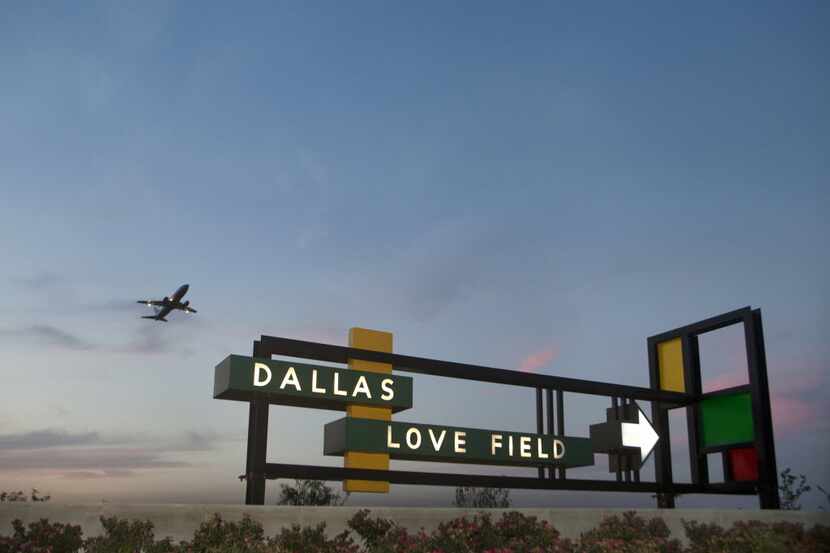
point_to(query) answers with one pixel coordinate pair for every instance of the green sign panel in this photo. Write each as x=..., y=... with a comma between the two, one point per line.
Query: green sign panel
x=450, y=444
x=244, y=378
x=727, y=419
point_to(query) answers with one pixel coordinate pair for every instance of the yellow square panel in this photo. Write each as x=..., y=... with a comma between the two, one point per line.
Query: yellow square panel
x=670, y=362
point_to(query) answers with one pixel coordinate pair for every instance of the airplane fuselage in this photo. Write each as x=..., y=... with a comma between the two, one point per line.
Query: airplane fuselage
x=175, y=301
x=169, y=303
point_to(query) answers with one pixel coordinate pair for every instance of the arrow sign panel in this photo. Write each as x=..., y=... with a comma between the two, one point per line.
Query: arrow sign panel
x=632, y=434
x=640, y=434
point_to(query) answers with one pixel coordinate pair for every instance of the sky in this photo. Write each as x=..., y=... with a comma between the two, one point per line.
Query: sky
x=536, y=186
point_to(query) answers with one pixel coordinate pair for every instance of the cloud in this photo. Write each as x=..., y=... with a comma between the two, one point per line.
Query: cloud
x=539, y=359
x=39, y=281
x=48, y=335
x=56, y=336
x=149, y=339
x=89, y=459
x=195, y=441
x=726, y=380
x=114, y=305
x=447, y=265
x=325, y=333
x=790, y=413
x=55, y=438
x=795, y=403
x=94, y=475
x=86, y=455
x=40, y=439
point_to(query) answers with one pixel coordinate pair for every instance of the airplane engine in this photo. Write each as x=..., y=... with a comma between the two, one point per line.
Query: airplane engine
x=166, y=299
x=186, y=303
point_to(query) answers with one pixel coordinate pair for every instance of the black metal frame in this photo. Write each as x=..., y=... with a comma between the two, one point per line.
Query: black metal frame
x=258, y=470
x=767, y=485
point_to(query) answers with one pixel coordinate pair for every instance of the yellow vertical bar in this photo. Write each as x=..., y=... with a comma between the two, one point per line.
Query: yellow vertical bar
x=374, y=340
x=670, y=361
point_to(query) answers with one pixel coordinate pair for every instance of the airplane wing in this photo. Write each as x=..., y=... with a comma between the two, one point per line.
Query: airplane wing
x=154, y=303
x=190, y=310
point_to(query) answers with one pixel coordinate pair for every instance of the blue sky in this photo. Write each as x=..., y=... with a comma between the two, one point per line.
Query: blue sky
x=536, y=187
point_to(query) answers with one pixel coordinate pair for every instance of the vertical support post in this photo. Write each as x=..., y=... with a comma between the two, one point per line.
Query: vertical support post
x=662, y=450
x=540, y=426
x=549, y=401
x=727, y=466
x=627, y=404
x=615, y=459
x=375, y=340
x=560, y=422
x=257, y=445
x=761, y=411
x=691, y=364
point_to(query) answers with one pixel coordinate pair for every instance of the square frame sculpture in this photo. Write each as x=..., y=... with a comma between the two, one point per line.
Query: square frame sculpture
x=749, y=423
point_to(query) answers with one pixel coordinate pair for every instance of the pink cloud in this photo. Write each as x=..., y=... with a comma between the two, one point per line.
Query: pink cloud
x=789, y=414
x=790, y=411
x=727, y=380
x=539, y=359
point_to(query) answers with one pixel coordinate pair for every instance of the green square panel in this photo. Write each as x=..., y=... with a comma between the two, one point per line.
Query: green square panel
x=727, y=420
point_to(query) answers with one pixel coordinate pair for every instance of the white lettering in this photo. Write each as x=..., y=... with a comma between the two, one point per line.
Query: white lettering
x=258, y=367
x=389, y=442
x=510, y=445
x=337, y=391
x=459, y=442
x=362, y=387
x=524, y=446
x=541, y=454
x=386, y=386
x=413, y=432
x=290, y=378
x=558, y=449
x=495, y=442
x=314, y=387
x=437, y=444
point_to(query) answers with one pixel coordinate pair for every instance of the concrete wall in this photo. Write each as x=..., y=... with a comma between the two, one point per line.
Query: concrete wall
x=180, y=521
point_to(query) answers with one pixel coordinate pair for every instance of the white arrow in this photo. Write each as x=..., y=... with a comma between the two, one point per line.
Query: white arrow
x=640, y=434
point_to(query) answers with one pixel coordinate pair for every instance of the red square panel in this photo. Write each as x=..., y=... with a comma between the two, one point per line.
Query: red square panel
x=744, y=463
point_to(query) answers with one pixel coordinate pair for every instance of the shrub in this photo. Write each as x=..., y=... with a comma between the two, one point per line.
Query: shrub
x=629, y=534
x=19, y=496
x=756, y=537
x=482, y=498
x=790, y=491
x=122, y=536
x=42, y=537
x=220, y=536
x=826, y=495
x=380, y=535
x=513, y=533
x=310, y=492
x=376, y=533
x=311, y=540
x=526, y=534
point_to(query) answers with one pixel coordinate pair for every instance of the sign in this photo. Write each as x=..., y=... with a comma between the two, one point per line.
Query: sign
x=450, y=444
x=734, y=422
x=244, y=378
x=630, y=433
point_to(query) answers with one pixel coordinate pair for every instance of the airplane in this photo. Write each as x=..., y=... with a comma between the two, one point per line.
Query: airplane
x=168, y=304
